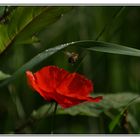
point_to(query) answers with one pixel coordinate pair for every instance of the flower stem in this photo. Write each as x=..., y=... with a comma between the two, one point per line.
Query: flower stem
x=53, y=118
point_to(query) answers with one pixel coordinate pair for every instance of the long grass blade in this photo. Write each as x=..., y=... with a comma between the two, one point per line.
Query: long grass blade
x=86, y=44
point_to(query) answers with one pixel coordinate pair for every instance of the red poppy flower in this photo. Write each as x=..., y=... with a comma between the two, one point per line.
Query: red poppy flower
x=67, y=89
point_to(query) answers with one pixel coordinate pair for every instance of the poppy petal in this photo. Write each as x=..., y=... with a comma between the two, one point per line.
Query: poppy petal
x=32, y=82
x=75, y=85
x=50, y=77
x=65, y=101
x=69, y=101
x=95, y=99
x=53, y=83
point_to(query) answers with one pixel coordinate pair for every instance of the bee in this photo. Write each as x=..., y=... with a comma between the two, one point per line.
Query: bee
x=72, y=57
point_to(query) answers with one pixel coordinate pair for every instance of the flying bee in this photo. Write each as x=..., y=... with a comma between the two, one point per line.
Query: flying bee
x=72, y=57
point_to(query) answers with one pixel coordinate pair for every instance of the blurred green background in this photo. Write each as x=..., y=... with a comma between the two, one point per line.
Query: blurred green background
x=110, y=73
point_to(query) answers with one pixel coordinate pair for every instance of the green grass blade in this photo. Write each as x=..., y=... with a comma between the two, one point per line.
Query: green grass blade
x=34, y=61
x=113, y=48
x=88, y=45
x=115, y=122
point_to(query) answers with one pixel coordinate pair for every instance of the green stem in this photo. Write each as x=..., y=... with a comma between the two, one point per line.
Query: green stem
x=53, y=118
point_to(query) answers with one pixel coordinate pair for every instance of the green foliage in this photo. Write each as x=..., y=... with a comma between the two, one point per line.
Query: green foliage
x=110, y=101
x=30, y=20
x=31, y=38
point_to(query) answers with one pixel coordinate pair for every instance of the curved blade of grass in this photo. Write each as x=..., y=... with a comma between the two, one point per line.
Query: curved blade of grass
x=25, y=22
x=113, y=48
x=107, y=47
x=87, y=44
x=34, y=61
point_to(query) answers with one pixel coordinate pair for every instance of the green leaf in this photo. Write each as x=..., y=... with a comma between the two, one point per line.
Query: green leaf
x=24, y=22
x=87, y=44
x=110, y=101
x=3, y=75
